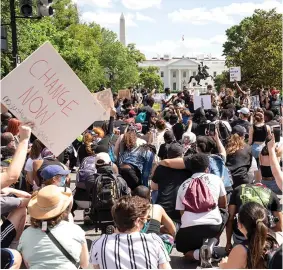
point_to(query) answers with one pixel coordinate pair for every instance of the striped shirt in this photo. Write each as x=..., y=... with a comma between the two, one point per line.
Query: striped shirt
x=135, y=251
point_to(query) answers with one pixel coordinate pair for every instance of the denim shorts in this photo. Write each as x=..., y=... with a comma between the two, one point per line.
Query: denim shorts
x=271, y=184
x=256, y=149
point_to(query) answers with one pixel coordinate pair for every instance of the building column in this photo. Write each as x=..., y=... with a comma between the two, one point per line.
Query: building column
x=169, y=79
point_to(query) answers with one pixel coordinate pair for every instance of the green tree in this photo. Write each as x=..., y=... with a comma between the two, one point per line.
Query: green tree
x=135, y=53
x=222, y=79
x=256, y=46
x=149, y=78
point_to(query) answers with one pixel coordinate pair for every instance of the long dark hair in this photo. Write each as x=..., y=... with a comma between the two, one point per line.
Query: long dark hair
x=254, y=218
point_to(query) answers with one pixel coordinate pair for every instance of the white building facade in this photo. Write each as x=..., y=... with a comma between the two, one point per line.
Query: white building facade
x=176, y=72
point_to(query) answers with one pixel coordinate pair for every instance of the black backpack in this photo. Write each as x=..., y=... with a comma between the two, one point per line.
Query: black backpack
x=103, y=190
x=224, y=133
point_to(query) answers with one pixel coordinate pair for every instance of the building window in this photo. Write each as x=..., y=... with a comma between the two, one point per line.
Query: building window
x=174, y=74
x=184, y=74
x=162, y=74
x=174, y=86
x=194, y=73
x=214, y=74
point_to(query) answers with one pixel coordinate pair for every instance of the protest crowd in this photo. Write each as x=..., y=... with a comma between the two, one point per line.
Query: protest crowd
x=149, y=180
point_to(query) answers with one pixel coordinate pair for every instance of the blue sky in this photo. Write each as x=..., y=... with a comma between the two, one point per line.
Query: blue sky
x=157, y=26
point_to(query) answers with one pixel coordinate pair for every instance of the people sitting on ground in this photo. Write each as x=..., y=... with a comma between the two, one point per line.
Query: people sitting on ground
x=199, y=200
x=239, y=156
x=35, y=154
x=168, y=139
x=48, y=210
x=147, y=250
x=135, y=161
x=251, y=193
x=48, y=158
x=260, y=243
x=167, y=182
x=159, y=222
x=87, y=147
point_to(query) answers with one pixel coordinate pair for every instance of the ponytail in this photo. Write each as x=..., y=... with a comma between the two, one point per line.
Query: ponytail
x=257, y=241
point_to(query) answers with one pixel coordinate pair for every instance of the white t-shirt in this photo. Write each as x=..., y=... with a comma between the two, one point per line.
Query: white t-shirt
x=41, y=253
x=213, y=217
x=128, y=251
x=29, y=164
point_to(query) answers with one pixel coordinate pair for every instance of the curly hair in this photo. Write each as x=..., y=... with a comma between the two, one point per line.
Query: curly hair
x=130, y=139
x=259, y=117
x=36, y=149
x=127, y=210
x=88, y=139
x=234, y=144
x=99, y=131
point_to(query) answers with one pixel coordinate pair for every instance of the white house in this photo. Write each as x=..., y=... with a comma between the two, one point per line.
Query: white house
x=176, y=72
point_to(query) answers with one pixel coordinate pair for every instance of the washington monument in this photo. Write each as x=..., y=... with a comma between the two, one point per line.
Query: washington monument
x=122, y=30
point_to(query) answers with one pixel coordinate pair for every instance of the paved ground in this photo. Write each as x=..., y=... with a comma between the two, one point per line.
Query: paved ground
x=177, y=261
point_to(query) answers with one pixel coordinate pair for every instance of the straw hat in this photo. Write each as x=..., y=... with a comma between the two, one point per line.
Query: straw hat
x=48, y=203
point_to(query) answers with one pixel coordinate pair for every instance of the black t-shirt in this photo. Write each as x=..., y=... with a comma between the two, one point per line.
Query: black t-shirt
x=253, y=193
x=169, y=180
x=149, y=113
x=239, y=164
x=178, y=131
x=240, y=122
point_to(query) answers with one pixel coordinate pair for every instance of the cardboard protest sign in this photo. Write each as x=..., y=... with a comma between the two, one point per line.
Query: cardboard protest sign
x=203, y=102
x=3, y=109
x=124, y=93
x=235, y=74
x=44, y=89
x=255, y=102
x=105, y=98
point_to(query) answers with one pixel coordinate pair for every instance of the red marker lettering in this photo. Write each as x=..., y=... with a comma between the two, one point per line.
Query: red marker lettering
x=27, y=93
x=33, y=102
x=69, y=108
x=41, y=113
x=37, y=64
x=47, y=77
x=62, y=101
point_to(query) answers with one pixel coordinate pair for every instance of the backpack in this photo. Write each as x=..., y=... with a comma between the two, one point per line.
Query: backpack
x=218, y=167
x=198, y=198
x=224, y=133
x=86, y=169
x=103, y=192
x=140, y=117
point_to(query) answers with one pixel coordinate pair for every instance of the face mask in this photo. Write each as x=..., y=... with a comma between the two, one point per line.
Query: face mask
x=62, y=181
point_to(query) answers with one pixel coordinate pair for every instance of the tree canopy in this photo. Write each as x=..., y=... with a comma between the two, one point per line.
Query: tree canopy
x=149, y=78
x=256, y=46
x=94, y=53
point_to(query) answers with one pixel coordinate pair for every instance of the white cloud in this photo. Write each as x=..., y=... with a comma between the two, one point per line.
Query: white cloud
x=141, y=17
x=97, y=3
x=106, y=19
x=222, y=15
x=141, y=4
x=188, y=47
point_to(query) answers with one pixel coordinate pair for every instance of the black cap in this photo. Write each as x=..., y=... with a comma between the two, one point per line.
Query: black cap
x=174, y=150
x=241, y=131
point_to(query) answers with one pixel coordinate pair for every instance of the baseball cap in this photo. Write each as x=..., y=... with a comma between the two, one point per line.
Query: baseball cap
x=174, y=150
x=274, y=92
x=132, y=113
x=244, y=111
x=102, y=159
x=241, y=131
x=53, y=170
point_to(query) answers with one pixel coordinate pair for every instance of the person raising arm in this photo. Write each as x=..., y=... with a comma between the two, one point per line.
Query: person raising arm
x=274, y=164
x=14, y=170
